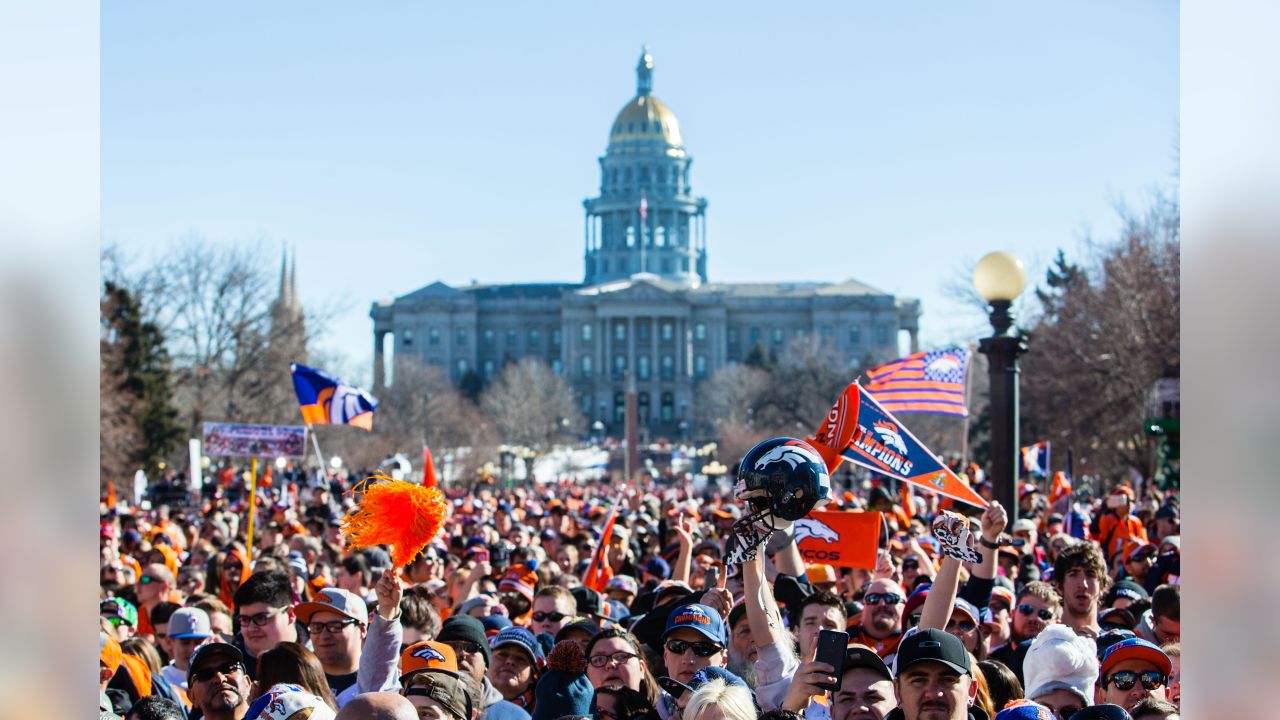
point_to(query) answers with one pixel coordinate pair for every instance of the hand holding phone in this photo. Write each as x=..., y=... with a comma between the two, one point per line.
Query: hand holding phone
x=831, y=646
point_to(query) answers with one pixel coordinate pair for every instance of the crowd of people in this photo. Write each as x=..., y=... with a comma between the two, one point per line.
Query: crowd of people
x=493, y=621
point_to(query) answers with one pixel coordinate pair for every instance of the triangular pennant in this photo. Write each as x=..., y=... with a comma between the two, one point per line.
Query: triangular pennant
x=885, y=445
x=428, y=468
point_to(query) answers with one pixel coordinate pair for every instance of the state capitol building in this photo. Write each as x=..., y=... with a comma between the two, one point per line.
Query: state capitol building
x=645, y=307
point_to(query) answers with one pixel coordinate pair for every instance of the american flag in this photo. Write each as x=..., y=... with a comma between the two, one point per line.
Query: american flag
x=925, y=382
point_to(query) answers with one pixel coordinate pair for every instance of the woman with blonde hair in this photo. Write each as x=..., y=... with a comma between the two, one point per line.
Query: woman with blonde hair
x=719, y=700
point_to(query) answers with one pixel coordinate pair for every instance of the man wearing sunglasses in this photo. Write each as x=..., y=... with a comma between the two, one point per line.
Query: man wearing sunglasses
x=880, y=625
x=694, y=639
x=217, y=683
x=1036, y=607
x=155, y=585
x=465, y=636
x=1132, y=670
x=553, y=608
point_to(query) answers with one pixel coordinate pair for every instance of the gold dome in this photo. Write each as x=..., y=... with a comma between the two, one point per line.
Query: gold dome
x=646, y=118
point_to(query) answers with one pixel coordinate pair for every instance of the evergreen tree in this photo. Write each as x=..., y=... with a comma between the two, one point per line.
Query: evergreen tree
x=1060, y=279
x=758, y=358
x=141, y=376
x=471, y=385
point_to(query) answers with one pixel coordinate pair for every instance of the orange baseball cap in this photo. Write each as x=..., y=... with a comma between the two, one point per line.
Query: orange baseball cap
x=820, y=573
x=427, y=655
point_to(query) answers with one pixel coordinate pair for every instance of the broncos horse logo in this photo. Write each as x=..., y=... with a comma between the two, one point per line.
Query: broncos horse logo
x=810, y=528
x=946, y=363
x=429, y=653
x=888, y=433
x=793, y=455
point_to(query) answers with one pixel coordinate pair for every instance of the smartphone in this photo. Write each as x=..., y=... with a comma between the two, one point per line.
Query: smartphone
x=712, y=578
x=832, y=645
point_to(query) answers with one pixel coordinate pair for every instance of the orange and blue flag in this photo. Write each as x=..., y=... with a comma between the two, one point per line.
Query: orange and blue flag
x=925, y=382
x=1035, y=459
x=842, y=539
x=326, y=400
x=883, y=444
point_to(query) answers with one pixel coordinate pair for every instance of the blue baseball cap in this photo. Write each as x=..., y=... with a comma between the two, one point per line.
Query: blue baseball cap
x=700, y=678
x=1027, y=710
x=658, y=568
x=696, y=616
x=1135, y=648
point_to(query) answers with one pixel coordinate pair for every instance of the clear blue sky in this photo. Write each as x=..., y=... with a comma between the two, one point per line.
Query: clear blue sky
x=397, y=143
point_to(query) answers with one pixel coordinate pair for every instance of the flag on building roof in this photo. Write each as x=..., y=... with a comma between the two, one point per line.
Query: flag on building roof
x=924, y=382
x=326, y=400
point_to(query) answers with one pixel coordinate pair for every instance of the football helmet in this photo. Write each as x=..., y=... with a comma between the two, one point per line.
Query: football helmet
x=781, y=480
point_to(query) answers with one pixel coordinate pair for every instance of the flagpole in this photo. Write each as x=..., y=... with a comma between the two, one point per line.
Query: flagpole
x=964, y=429
x=253, y=504
x=643, y=264
x=315, y=443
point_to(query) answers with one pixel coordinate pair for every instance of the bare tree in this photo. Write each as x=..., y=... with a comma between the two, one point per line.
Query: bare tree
x=803, y=383
x=1110, y=330
x=213, y=303
x=531, y=405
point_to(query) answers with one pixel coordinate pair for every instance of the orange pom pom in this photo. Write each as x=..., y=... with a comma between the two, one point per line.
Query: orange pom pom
x=406, y=516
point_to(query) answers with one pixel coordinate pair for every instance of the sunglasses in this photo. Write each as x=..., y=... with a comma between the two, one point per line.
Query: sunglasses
x=1125, y=679
x=146, y=580
x=552, y=616
x=464, y=646
x=912, y=564
x=963, y=626
x=702, y=648
x=998, y=607
x=1042, y=613
x=881, y=598
x=207, y=674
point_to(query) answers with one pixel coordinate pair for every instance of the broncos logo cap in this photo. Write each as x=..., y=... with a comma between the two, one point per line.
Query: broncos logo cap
x=698, y=617
x=427, y=655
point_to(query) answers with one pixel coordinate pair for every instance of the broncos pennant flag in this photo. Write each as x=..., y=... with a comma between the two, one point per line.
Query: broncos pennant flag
x=882, y=443
x=326, y=400
x=837, y=428
x=842, y=539
x=1035, y=459
x=926, y=382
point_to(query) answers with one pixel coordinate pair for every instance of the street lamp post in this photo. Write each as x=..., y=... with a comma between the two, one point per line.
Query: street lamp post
x=999, y=278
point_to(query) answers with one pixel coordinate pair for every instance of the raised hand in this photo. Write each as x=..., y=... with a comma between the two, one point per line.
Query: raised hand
x=993, y=520
x=805, y=683
x=389, y=593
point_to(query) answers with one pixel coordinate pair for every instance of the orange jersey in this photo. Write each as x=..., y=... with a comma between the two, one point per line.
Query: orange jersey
x=884, y=647
x=1114, y=532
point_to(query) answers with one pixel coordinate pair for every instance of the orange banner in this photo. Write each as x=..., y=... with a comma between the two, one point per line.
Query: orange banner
x=842, y=539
